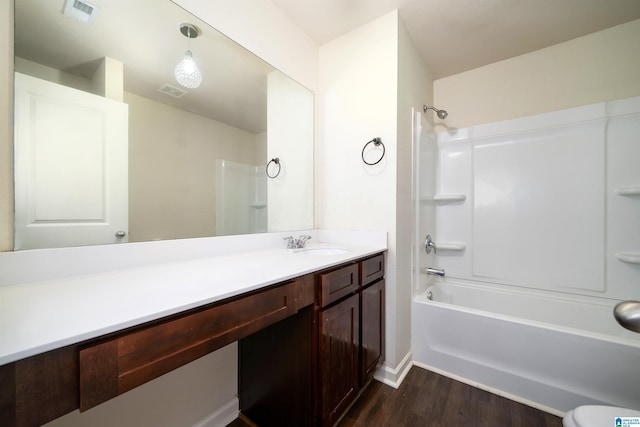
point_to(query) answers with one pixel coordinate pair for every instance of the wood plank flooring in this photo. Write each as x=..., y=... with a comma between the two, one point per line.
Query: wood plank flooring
x=427, y=399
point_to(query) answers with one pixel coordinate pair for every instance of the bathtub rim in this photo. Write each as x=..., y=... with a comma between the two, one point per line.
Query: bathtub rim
x=422, y=298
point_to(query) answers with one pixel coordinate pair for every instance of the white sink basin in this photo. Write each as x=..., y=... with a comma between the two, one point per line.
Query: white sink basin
x=321, y=251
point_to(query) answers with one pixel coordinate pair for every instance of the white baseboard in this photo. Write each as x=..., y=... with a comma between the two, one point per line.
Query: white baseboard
x=222, y=416
x=493, y=390
x=394, y=376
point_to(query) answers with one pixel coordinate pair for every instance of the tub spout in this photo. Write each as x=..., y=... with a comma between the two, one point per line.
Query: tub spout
x=435, y=271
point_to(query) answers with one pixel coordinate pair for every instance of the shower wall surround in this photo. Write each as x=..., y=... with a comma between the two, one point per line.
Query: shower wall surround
x=552, y=201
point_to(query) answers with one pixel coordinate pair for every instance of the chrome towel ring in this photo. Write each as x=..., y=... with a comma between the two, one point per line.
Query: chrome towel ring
x=376, y=141
x=277, y=162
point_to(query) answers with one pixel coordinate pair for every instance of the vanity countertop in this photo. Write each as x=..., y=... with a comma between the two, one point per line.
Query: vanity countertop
x=43, y=315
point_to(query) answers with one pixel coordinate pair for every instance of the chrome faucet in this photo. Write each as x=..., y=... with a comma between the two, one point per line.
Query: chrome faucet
x=296, y=243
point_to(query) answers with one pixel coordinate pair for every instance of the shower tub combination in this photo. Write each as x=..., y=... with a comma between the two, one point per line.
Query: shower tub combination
x=548, y=352
x=533, y=267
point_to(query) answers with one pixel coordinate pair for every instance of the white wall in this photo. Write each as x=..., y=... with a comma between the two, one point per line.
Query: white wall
x=357, y=101
x=290, y=135
x=598, y=67
x=369, y=79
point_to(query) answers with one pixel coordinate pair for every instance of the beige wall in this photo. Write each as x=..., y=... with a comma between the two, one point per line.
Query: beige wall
x=6, y=125
x=172, y=169
x=598, y=67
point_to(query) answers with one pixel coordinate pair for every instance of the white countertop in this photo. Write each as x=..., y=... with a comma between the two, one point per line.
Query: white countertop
x=43, y=315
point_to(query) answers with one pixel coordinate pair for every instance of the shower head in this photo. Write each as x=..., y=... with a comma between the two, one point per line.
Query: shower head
x=441, y=113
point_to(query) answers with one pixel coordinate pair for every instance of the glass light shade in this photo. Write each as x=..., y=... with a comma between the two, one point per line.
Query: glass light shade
x=187, y=72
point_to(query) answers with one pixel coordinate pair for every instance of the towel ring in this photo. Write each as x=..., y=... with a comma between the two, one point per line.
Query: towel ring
x=376, y=141
x=277, y=162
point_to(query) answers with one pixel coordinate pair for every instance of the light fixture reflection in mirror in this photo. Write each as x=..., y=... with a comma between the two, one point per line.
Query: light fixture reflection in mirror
x=187, y=72
x=177, y=138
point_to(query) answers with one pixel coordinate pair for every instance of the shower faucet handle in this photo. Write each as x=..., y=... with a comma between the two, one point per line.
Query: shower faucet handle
x=429, y=245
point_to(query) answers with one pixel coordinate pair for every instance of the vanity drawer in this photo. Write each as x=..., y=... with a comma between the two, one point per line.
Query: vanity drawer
x=112, y=367
x=372, y=269
x=339, y=283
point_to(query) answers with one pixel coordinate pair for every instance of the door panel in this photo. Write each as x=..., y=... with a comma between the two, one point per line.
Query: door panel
x=71, y=160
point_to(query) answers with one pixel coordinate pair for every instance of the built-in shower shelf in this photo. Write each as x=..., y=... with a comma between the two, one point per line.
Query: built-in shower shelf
x=449, y=198
x=451, y=246
x=631, y=190
x=631, y=258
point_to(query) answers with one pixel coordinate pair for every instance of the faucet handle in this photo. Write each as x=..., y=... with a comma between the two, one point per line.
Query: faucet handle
x=429, y=245
x=302, y=240
x=289, y=240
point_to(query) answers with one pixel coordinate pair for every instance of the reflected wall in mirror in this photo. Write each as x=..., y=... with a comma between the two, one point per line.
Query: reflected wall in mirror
x=110, y=148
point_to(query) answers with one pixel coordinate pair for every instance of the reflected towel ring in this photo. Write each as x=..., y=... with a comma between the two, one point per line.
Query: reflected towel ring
x=277, y=162
x=376, y=141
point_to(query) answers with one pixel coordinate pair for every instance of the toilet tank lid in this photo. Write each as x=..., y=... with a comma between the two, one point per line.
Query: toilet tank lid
x=597, y=416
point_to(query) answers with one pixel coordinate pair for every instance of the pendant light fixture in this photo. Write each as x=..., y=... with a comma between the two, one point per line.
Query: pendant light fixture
x=187, y=72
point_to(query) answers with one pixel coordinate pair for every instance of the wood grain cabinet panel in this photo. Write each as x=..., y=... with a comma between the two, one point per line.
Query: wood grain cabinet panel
x=372, y=269
x=39, y=388
x=338, y=358
x=338, y=283
x=115, y=366
x=372, y=329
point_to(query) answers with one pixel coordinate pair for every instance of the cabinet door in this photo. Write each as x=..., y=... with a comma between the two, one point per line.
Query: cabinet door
x=339, y=342
x=372, y=306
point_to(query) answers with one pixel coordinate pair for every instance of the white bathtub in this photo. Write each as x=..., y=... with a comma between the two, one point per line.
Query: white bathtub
x=548, y=351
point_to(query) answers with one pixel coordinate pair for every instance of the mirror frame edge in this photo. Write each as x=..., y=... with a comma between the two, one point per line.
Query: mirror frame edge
x=6, y=132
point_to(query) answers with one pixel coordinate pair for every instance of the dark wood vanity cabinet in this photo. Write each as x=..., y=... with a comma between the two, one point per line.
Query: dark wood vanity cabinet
x=308, y=372
x=338, y=361
x=372, y=342
x=46, y=386
x=351, y=334
x=307, y=347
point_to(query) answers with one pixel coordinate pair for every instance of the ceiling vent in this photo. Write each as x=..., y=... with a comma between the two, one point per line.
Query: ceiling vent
x=81, y=11
x=173, y=91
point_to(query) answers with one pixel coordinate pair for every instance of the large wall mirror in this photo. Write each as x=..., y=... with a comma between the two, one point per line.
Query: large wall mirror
x=110, y=147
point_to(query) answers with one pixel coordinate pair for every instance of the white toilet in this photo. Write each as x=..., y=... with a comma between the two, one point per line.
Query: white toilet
x=597, y=416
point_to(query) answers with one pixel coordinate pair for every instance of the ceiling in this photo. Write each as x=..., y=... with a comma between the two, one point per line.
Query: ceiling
x=458, y=35
x=145, y=37
x=452, y=36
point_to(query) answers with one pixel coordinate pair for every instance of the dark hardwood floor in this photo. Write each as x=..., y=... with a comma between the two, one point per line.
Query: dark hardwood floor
x=427, y=399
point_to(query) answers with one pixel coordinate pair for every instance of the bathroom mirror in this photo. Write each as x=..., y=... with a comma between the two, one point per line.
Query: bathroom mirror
x=195, y=160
